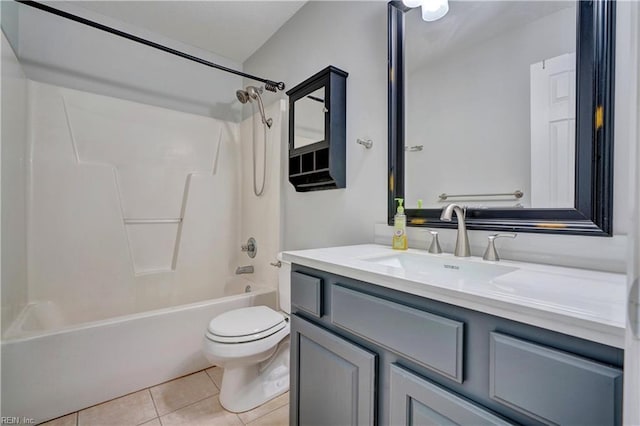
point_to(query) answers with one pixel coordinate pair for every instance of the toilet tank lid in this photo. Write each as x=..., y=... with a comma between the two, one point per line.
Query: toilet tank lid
x=245, y=321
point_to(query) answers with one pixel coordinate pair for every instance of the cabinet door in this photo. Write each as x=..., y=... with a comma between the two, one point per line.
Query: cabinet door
x=416, y=401
x=552, y=386
x=332, y=379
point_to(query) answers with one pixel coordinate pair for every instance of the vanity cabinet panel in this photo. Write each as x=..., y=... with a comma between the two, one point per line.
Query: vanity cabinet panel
x=332, y=379
x=410, y=337
x=552, y=386
x=430, y=340
x=417, y=401
x=307, y=293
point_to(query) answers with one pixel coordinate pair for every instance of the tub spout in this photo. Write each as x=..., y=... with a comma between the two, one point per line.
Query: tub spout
x=244, y=270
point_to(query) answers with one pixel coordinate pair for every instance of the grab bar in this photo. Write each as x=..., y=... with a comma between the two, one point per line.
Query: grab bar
x=517, y=194
x=150, y=221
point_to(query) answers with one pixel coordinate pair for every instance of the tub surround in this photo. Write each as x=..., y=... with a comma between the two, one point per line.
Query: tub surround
x=582, y=303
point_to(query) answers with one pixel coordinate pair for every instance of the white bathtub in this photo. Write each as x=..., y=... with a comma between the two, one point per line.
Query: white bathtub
x=49, y=373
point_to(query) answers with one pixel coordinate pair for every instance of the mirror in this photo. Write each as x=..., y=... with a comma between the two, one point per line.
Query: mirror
x=498, y=108
x=309, y=119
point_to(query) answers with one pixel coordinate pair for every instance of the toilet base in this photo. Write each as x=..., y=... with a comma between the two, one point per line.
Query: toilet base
x=247, y=387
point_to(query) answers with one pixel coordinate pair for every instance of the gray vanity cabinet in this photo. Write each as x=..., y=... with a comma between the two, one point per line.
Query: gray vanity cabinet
x=333, y=380
x=362, y=354
x=417, y=401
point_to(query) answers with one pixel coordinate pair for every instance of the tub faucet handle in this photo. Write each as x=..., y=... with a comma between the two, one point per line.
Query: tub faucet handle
x=491, y=253
x=251, y=247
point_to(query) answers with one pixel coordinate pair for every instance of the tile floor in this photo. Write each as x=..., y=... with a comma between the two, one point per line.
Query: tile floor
x=190, y=401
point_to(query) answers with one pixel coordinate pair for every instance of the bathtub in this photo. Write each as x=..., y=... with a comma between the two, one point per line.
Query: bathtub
x=50, y=369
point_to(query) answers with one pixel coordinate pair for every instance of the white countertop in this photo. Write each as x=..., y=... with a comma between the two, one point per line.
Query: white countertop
x=578, y=302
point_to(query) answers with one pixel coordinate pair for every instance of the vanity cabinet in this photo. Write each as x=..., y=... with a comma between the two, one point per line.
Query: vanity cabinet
x=365, y=354
x=336, y=378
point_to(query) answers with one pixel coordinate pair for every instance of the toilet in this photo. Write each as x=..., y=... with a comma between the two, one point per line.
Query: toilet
x=252, y=346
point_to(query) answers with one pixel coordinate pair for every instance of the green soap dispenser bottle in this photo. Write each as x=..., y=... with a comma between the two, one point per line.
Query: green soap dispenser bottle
x=399, y=241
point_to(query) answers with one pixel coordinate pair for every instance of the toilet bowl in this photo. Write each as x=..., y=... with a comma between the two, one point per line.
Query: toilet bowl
x=252, y=346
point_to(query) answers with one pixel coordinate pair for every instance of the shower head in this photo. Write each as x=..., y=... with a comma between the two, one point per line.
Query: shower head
x=243, y=96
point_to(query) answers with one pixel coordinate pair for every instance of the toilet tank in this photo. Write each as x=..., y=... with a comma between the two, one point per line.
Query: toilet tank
x=284, y=285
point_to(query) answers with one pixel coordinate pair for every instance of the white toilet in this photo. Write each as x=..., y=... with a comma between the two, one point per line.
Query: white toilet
x=252, y=346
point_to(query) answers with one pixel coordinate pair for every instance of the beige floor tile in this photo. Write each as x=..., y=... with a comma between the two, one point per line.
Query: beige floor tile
x=278, y=417
x=216, y=375
x=154, y=422
x=265, y=408
x=132, y=409
x=206, y=413
x=68, y=420
x=181, y=392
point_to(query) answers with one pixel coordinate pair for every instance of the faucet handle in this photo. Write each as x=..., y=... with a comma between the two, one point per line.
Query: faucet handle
x=435, y=244
x=251, y=248
x=490, y=253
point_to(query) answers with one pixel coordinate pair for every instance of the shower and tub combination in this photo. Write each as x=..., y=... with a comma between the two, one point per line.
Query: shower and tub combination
x=133, y=217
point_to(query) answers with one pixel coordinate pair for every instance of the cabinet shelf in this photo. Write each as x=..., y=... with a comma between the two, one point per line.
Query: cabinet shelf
x=308, y=173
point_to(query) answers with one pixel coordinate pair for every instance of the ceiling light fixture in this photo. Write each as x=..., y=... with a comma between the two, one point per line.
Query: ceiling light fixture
x=412, y=3
x=432, y=10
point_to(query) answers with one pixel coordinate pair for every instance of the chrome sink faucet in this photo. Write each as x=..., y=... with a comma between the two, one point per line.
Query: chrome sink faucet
x=462, y=240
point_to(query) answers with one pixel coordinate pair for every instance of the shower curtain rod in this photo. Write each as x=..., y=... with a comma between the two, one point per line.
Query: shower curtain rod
x=268, y=84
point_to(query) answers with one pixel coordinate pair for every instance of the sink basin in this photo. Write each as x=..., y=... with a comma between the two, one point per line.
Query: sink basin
x=443, y=268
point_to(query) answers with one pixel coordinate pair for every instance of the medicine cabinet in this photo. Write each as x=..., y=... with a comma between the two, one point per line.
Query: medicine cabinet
x=317, y=131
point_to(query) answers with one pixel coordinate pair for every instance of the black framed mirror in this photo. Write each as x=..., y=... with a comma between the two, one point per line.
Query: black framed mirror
x=506, y=206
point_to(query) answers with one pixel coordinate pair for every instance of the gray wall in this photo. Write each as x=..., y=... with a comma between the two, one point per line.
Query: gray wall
x=351, y=36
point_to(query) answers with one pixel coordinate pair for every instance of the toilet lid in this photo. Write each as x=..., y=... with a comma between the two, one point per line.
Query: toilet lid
x=246, y=322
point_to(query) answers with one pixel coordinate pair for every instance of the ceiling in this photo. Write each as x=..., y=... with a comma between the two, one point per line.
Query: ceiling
x=234, y=29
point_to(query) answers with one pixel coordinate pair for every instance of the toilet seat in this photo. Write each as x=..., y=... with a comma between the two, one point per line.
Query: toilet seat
x=245, y=325
x=225, y=352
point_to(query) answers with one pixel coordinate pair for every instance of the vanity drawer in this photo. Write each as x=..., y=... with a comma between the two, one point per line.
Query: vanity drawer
x=306, y=293
x=553, y=386
x=429, y=340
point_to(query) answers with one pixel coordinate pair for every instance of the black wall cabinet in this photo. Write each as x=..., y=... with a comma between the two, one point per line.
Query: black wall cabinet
x=317, y=131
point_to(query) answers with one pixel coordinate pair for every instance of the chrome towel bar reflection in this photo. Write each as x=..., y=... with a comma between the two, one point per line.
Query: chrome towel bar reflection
x=517, y=194
x=367, y=143
x=151, y=221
